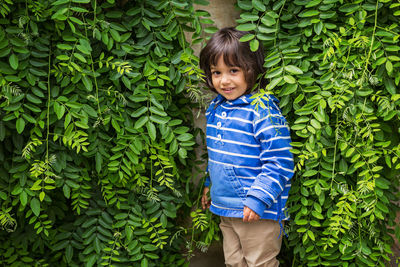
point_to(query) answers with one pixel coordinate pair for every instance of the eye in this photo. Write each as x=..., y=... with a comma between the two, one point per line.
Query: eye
x=235, y=70
x=215, y=72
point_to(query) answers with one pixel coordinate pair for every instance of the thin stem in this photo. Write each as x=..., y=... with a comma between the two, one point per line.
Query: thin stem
x=372, y=42
x=48, y=108
x=334, y=151
x=277, y=23
x=92, y=66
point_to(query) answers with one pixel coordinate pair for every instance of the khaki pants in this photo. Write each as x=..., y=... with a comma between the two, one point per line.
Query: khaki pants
x=254, y=244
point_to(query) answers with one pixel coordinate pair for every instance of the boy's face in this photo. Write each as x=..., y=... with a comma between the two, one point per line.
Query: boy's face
x=229, y=82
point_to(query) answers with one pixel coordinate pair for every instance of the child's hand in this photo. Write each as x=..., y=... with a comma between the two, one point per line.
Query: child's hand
x=249, y=215
x=205, y=202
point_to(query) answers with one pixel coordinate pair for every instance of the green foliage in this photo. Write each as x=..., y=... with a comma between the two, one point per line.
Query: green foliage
x=335, y=67
x=97, y=132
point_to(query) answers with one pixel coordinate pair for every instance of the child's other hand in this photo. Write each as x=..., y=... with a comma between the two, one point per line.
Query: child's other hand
x=249, y=215
x=205, y=202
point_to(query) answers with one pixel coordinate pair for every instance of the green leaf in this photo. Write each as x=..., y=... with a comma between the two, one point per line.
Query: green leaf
x=159, y=119
x=69, y=252
x=274, y=83
x=23, y=198
x=41, y=196
x=144, y=263
x=316, y=124
x=99, y=162
x=91, y=260
x=318, y=27
x=81, y=1
x=318, y=189
x=274, y=72
x=35, y=206
x=63, y=57
x=259, y=5
x=320, y=114
x=313, y=3
x=308, y=13
x=254, y=45
x=247, y=37
x=20, y=125
x=185, y=137
x=66, y=191
x=317, y=215
x=59, y=2
x=139, y=112
x=157, y=111
x=310, y=173
x=140, y=122
x=13, y=61
x=301, y=222
x=382, y=183
x=248, y=17
x=149, y=247
x=182, y=153
x=76, y=20
x=151, y=129
x=96, y=245
x=64, y=46
x=59, y=110
x=115, y=35
x=268, y=20
x=81, y=124
x=67, y=120
x=389, y=85
x=311, y=235
x=90, y=111
x=293, y=69
x=173, y=148
x=115, y=125
x=87, y=82
x=350, y=151
x=289, y=79
x=148, y=70
x=246, y=27
x=389, y=66
x=80, y=57
x=349, y=8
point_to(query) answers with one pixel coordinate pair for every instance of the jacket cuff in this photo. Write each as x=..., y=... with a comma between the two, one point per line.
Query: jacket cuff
x=255, y=205
x=207, y=182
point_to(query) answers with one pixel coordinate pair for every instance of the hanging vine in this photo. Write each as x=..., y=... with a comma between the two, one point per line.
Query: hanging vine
x=96, y=131
x=335, y=68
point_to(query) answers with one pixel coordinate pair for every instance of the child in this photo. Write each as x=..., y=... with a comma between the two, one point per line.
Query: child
x=250, y=164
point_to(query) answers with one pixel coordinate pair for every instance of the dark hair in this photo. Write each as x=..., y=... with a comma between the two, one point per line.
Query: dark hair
x=226, y=43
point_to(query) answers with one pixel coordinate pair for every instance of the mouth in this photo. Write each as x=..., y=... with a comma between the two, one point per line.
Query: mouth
x=228, y=90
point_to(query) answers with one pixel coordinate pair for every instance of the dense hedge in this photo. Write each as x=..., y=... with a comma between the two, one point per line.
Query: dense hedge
x=97, y=135
x=335, y=67
x=96, y=132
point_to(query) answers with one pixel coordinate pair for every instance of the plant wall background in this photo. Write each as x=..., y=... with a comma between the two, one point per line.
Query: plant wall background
x=96, y=133
x=335, y=67
x=97, y=139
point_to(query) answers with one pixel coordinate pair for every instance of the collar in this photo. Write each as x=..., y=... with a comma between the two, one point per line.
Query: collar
x=244, y=100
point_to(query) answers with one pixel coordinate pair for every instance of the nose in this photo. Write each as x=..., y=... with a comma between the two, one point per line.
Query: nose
x=225, y=79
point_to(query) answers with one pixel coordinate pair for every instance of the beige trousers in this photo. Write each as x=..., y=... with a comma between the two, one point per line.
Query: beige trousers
x=254, y=244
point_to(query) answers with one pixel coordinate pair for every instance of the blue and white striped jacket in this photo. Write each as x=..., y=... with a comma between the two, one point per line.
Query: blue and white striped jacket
x=249, y=158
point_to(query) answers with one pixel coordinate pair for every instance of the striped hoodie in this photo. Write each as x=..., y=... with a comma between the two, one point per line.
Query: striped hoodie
x=249, y=158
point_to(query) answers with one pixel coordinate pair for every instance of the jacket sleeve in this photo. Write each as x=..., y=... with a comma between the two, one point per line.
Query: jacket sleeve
x=272, y=131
